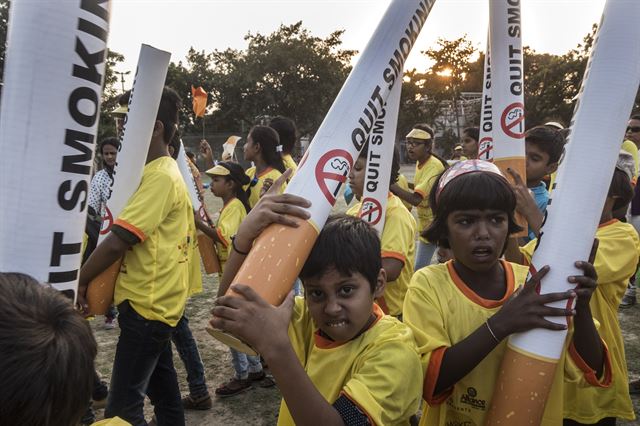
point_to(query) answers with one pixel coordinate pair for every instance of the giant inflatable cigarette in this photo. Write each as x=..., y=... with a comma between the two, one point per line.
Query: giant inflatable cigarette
x=278, y=254
x=610, y=84
x=379, y=160
x=485, y=141
x=507, y=89
x=138, y=127
x=206, y=246
x=50, y=107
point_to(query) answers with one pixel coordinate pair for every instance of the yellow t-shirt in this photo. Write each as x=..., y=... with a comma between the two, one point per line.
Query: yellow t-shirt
x=289, y=163
x=426, y=175
x=632, y=149
x=404, y=184
x=155, y=273
x=115, y=421
x=398, y=242
x=256, y=184
x=615, y=263
x=442, y=310
x=379, y=370
x=231, y=215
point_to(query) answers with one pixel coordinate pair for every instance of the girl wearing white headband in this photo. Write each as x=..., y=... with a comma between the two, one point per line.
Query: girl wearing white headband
x=462, y=311
x=428, y=166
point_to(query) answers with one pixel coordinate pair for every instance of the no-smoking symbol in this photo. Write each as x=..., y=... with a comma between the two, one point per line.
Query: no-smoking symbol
x=107, y=221
x=485, y=149
x=512, y=120
x=371, y=211
x=331, y=172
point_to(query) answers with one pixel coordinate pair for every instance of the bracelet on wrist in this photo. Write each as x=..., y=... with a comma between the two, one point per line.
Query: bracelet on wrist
x=235, y=247
x=492, y=333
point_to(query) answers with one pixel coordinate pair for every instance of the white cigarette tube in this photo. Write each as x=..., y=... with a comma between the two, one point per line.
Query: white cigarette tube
x=379, y=160
x=55, y=65
x=597, y=129
x=206, y=246
x=507, y=90
x=485, y=141
x=278, y=254
x=144, y=101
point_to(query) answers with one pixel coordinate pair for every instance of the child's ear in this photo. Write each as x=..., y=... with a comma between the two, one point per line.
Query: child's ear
x=381, y=282
x=158, y=129
x=551, y=168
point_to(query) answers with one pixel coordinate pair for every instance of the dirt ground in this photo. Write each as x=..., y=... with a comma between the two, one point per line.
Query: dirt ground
x=259, y=406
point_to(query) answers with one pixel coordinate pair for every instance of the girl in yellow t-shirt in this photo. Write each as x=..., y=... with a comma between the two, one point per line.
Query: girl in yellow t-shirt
x=228, y=180
x=263, y=148
x=461, y=311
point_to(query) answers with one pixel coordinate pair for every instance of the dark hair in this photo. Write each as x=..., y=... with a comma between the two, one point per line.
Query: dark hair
x=472, y=132
x=123, y=100
x=347, y=244
x=286, y=129
x=170, y=104
x=48, y=352
x=477, y=190
x=240, y=179
x=268, y=140
x=548, y=139
x=621, y=188
x=635, y=117
x=191, y=156
x=395, y=161
x=114, y=142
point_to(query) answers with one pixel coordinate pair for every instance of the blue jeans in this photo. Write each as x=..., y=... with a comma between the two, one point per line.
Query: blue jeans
x=143, y=365
x=424, y=254
x=188, y=351
x=245, y=364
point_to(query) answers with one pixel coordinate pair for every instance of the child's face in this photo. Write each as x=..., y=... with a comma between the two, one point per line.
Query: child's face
x=469, y=146
x=357, y=176
x=109, y=155
x=477, y=237
x=418, y=149
x=220, y=186
x=537, y=163
x=341, y=305
x=250, y=149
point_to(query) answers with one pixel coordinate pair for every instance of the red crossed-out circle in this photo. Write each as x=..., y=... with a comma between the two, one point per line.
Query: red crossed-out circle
x=339, y=162
x=515, y=113
x=107, y=221
x=371, y=211
x=485, y=148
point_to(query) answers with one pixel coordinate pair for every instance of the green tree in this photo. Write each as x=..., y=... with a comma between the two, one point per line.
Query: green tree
x=110, y=95
x=289, y=72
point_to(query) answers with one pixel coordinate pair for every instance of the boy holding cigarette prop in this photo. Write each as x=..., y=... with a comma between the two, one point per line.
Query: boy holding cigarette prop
x=337, y=359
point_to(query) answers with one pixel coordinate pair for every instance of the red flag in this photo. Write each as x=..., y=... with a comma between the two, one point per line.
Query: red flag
x=199, y=100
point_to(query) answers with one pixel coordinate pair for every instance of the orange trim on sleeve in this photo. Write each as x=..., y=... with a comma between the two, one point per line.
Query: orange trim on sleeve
x=590, y=374
x=471, y=295
x=131, y=228
x=607, y=223
x=354, y=402
x=383, y=305
x=264, y=172
x=223, y=240
x=420, y=192
x=431, y=378
x=393, y=255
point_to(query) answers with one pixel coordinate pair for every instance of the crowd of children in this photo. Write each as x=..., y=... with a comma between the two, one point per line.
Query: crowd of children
x=382, y=335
